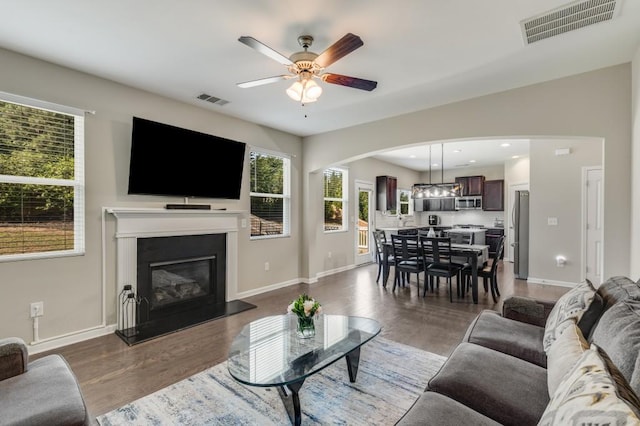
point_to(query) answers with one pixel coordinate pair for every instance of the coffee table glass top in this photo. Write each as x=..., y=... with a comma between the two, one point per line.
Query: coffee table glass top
x=267, y=352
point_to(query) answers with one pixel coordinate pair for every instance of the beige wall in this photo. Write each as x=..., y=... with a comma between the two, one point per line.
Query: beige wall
x=71, y=287
x=556, y=191
x=635, y=199
x=594, y=104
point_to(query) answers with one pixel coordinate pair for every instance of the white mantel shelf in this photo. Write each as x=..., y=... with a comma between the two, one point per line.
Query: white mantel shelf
x=156, y=222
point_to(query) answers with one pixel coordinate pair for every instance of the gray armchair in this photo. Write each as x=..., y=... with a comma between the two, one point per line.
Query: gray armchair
x=42, y=392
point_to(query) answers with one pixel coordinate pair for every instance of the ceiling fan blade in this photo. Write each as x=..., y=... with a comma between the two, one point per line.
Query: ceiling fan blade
x=345, y=80
x=337, y=50
x=265, y=50
x=262, y=81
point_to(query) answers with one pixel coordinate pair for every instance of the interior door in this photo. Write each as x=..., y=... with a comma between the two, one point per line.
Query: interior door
x=593, y=229
x=510, y=231
x=364, y=223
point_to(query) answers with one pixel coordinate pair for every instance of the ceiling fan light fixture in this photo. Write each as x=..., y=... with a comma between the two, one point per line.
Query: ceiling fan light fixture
x=295, y=91
x=312, y=90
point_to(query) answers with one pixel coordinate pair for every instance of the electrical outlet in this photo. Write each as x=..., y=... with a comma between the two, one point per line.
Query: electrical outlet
x=266, y=266
x=329, y=255
x=37, y=309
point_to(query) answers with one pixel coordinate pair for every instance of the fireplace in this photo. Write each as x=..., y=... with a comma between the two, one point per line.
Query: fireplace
x=175, y=269
x=180, y=274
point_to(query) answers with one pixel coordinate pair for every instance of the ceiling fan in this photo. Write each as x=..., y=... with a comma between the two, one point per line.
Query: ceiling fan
x=304, y=66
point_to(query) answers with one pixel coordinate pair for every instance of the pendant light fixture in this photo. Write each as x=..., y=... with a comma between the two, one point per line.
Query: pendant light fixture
x=432, y=190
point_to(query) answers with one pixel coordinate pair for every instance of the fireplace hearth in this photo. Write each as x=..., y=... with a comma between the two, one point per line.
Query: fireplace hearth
x=180, y=277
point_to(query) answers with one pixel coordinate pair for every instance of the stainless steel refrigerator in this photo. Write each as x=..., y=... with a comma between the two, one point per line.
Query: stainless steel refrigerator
x=520, y=220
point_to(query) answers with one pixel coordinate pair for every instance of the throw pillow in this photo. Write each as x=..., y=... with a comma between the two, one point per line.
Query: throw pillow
x=618, y=333
x=571, y=306
x=563, y=354
x=589, y=394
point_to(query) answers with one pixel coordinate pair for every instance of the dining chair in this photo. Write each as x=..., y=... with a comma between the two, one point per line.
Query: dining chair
x=489, y=272
x=437, y=258
x=407, y=258
x=380, y=238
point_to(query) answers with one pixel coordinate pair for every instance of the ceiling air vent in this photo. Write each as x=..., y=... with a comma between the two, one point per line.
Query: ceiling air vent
x=569, y=17
x=212, y=99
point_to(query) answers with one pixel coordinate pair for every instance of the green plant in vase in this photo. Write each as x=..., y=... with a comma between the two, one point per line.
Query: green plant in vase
x=306, y=309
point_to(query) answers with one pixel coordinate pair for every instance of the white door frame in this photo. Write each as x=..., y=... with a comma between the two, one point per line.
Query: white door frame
x=509, y=231
x=361, y=259
x=600, y=218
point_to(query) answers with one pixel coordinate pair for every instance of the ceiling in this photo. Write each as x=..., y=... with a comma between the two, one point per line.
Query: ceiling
x=422, y=53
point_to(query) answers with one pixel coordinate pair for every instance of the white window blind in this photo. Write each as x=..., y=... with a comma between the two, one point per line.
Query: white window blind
x=335, y=199
x=270, y=194
x=41, y=179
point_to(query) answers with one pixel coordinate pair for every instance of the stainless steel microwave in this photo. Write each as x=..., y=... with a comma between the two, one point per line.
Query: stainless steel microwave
x=468, y=203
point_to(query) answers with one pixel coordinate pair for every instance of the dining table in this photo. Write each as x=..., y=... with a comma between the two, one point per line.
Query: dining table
x=474, y=254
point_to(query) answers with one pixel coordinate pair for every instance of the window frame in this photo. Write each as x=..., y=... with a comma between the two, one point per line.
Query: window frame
x=286, y=193
x=344, y=200
x=78, y=181
x=409, y=203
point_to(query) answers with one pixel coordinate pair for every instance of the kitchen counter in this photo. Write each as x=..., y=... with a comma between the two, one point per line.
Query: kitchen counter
x=474, y=235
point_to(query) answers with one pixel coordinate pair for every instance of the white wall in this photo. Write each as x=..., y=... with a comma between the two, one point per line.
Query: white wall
x=593, y=104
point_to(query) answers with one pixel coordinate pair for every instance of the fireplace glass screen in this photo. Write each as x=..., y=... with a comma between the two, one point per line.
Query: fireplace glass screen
x=179, y=281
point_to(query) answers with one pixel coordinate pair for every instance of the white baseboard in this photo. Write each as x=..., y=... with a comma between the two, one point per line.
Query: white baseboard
x=50, y=343
x=334, y=271
x=533, y=280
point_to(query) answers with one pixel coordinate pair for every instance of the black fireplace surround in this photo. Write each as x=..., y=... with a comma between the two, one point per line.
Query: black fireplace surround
x=181, y=282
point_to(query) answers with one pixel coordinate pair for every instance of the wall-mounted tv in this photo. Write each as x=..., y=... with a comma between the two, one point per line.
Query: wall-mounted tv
x=172, y=161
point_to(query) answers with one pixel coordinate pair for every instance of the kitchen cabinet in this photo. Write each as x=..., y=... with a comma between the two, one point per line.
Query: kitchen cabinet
x=387, y=193
x=435, y=205
x=471, y=185
x=493, y=195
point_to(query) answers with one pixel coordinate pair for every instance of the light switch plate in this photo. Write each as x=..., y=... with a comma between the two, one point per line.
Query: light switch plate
x=552, y=221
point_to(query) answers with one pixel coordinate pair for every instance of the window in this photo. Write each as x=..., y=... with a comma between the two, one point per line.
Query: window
x=335, y=199
x=405, y=203
x=270, y=194
x=41, y=179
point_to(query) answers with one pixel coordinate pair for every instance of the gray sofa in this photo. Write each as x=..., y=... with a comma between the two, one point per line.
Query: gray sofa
x=499, y=373
x=41, y=392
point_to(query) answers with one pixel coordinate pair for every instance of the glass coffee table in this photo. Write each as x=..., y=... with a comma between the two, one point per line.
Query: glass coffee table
x=268, y=352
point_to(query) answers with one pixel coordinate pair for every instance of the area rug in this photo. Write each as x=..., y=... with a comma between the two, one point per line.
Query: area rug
x=390, y=378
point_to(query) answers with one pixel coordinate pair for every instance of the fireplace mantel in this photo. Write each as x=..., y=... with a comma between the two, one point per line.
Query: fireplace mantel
x=134, y=223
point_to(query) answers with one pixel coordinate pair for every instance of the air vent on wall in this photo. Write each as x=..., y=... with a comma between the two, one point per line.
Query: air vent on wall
x=569, y=17
x=212, y=99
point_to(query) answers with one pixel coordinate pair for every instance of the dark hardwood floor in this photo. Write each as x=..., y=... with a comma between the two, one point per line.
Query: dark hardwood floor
x=112, y=374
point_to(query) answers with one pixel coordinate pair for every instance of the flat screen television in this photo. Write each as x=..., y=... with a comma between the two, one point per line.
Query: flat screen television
x=172, y=161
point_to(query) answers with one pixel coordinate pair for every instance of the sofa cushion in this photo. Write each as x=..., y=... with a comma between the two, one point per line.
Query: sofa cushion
x=618, y=334
x=563, y=354
x=571, y=306
x=616, y=289
x=590, y=394
x=46, y=394
x=436, y=409
x=502, y=387
x=520, y=339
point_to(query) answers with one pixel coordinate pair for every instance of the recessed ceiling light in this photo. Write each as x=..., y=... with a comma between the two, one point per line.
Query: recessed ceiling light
x=412, y=156
x=505, y=144
x=516, y=156
x=435, y=164
x=472, y=161
x=457, y=150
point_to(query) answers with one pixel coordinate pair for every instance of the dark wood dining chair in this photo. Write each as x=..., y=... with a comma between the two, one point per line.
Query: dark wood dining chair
x=437, y=258
x=407, y=258
x=380, y=238
x=489, y=272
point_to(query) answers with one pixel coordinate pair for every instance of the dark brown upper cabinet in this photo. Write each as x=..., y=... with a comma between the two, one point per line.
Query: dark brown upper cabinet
x=471, y=185
x=493, y=195
x=387, y=193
